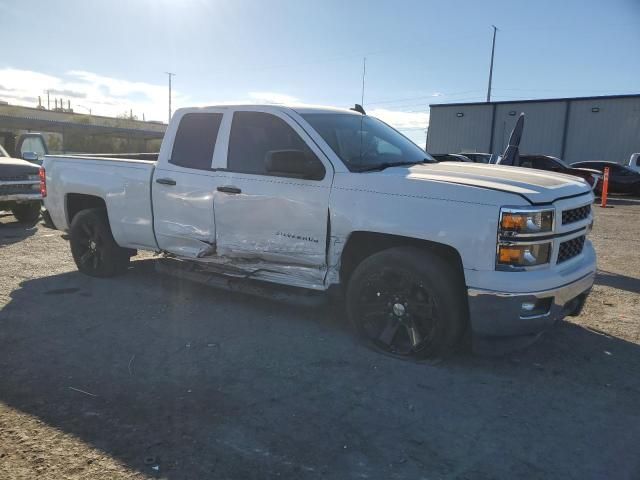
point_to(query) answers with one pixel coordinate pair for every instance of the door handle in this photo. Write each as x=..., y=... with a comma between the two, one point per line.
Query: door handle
x=166, y=181
x=229, y=189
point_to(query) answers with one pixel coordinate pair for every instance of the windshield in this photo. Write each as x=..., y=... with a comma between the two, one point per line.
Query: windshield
x=3, y=152
x=365, y=143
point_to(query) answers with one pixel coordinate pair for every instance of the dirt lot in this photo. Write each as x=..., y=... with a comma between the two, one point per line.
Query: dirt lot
x=145, y=376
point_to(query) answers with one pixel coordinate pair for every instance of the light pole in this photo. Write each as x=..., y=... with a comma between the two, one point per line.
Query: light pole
x=493, y=49
x=170, y=75
x=86, y=108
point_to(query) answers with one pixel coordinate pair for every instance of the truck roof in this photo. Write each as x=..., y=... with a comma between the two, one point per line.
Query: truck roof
x=299, y=107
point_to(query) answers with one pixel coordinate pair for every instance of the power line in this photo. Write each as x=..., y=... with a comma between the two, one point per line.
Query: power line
x=395, y=100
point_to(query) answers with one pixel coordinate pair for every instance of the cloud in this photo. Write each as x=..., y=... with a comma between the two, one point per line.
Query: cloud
x=67, y=93
x=401, y=120
x=88, y=90
x=111, y=96
x=411, y=124
x=272, y=97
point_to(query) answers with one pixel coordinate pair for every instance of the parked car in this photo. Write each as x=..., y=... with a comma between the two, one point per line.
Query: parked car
x=20, y=188
x=634, y=162
x=486, y=158
x=450, y=157
x=328, y=200
x=28, y=146
x=622, y=179
x=554, y=164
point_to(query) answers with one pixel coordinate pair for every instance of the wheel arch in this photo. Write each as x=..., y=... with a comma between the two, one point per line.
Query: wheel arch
x=76, y=202
x=363, y=244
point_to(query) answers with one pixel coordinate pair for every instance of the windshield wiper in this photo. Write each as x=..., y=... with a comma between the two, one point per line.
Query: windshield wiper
x=381, y=166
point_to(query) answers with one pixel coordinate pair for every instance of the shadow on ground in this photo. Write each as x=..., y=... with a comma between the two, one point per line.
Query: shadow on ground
x=213, y=385
x=12, y=231
x=615, y=280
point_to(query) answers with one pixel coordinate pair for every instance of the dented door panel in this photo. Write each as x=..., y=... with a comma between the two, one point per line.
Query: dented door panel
x=275, y=227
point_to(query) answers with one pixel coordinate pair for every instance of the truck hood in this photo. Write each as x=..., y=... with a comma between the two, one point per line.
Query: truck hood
x=14, y=167
x=537, y=186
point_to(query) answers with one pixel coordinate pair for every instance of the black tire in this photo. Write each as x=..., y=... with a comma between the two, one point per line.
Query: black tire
x=26, y=212
x=408, y=302
x=92, y=245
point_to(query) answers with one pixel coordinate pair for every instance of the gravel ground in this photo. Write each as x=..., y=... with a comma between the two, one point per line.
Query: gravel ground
x=146, y=376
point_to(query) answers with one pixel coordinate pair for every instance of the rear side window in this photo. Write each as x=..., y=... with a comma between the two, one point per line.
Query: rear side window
x=195, y=140
x=254, y=135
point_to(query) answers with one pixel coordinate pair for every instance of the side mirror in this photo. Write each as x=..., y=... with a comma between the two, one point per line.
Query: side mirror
x=30, y=156
x=293, y=163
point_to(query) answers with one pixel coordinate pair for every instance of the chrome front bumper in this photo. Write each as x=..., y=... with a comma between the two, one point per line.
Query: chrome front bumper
x=501, y=314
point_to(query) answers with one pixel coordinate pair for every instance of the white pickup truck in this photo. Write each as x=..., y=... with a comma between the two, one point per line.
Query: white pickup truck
x=328, y=199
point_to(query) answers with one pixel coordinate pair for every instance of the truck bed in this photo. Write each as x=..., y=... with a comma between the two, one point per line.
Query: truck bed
x=124, y=184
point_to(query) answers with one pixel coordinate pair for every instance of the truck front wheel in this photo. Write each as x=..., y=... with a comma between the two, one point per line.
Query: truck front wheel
x=26, y=212
x=407, y=302
x=92, y=245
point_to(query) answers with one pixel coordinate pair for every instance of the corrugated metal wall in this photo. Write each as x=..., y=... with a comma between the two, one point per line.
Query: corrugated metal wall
x=612, y=133
x=451, y=134
x=543, y=126
x=566, y=128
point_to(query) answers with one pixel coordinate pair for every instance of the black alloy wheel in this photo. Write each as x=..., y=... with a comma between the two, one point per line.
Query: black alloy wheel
x=407, y=302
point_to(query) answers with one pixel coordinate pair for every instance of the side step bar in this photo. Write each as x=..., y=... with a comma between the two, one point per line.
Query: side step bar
x=280, y=293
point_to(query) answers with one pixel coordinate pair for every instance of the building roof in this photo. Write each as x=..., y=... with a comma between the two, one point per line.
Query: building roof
x=537, y=100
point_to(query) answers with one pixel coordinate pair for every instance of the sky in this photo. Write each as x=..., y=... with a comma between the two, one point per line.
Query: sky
x=111, y=56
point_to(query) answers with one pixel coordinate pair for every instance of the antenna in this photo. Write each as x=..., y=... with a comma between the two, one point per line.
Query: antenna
x=364, y=73
x=170, y=75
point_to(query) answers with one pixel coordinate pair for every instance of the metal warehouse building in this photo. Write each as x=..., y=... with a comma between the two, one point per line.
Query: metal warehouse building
x=575, y=129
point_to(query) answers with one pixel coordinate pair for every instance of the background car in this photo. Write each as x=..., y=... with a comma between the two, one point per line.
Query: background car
x=20, y=188
x=481, y=157
x=634, y=162
x=450, y=157
x=622, y=179
x=554, y=164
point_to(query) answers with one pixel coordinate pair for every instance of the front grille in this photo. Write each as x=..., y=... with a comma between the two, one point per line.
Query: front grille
x=575, y=214
x=16, y=189
x=17, y=178
x=570, y=249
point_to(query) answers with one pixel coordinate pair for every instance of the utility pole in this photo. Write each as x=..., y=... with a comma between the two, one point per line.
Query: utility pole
x=48, y=102
x=364, y=72
x=493, y=49
x=170, y=75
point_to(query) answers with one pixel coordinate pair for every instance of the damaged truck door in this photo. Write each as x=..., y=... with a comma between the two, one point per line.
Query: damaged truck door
x=271, y=206
x=183, y=186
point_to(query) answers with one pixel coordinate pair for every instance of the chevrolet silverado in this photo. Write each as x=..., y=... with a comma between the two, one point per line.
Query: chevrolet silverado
x=330, y=200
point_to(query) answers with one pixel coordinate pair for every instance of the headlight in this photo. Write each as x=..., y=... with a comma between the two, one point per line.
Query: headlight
x=514, y=255
x=524, y=237
x=529, y=222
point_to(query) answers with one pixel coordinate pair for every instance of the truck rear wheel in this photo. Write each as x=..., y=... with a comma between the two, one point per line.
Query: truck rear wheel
x=407, y=302
x=92, y=245
x=26, y=212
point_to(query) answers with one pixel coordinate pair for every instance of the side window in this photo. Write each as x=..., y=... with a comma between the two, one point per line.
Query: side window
x=195, y=140
x=256, y=134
